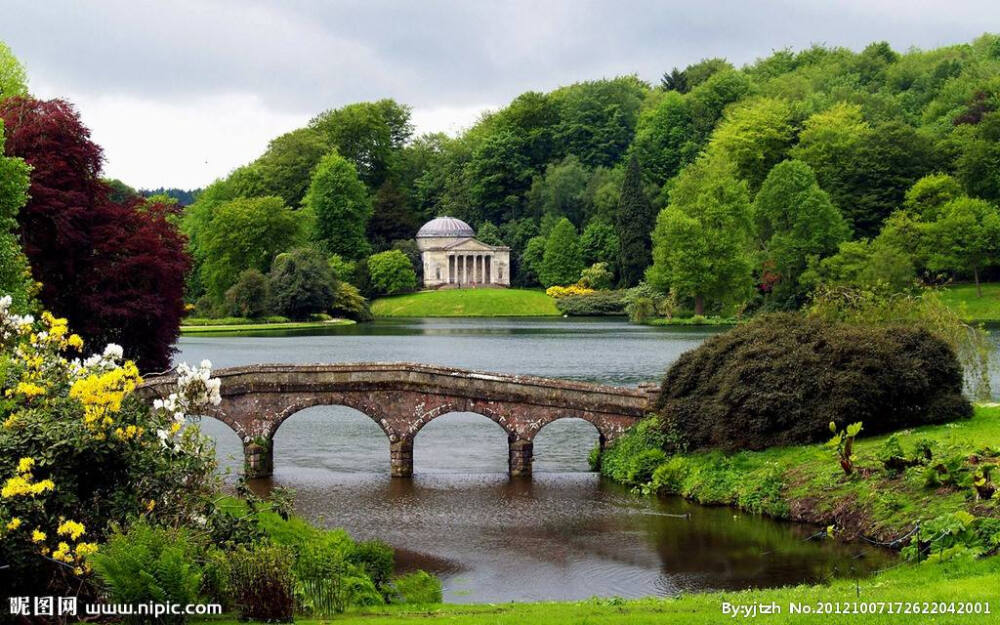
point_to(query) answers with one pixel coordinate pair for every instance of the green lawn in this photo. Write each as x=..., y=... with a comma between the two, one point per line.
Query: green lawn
x=805, y=483
x=963, y=299
x=468, y=303
x=964, y=580
x=249, y=327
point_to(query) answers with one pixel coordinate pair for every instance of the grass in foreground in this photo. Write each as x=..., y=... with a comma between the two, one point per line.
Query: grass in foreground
x=961, y=580
x=468, y=303
x=245, y=327
x=963, y=300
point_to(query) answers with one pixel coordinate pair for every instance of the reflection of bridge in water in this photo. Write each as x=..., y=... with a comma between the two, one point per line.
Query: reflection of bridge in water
x=403, y=397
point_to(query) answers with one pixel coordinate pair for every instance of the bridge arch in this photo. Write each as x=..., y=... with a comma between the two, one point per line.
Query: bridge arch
x=488, y=438
x=544, y=444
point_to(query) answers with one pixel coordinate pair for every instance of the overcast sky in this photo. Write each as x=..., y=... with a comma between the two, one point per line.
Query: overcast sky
x=180, y=92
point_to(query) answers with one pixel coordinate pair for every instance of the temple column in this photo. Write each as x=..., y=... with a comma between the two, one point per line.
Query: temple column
x=519, y=457
x=489, y=262
x=258, y=458
x=401, y=457
x=479, y=268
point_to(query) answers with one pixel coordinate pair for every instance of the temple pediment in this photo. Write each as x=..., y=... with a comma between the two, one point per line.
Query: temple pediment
x=470, y=245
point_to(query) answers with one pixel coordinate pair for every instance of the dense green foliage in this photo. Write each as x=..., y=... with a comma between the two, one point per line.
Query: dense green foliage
x=340, y=205
x=391, y=273
x=562, y=261
x=245, y=233
x=794, y=222
x=14, y=274
x=150, y=564
x=782, y=379
x=794, y=171
x=301, y=284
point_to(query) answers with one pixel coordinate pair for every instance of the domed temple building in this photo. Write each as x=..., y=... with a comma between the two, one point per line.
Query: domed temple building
x=453, y=258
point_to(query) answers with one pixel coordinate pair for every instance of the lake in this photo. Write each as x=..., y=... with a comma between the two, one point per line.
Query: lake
x=566, y=533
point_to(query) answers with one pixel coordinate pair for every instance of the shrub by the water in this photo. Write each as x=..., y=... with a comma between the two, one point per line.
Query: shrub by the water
x=418, y=588
x=597, y=303
x=782, y=378
x=262, y=583
x=149, y=564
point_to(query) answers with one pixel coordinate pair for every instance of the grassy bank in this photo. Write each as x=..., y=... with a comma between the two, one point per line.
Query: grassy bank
x=205, y=327
x=806, y=483
x=963, y=580
x=467, y=303
x=962, y=299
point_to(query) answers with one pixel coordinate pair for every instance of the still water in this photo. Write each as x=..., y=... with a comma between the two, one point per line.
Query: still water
x=564, y=534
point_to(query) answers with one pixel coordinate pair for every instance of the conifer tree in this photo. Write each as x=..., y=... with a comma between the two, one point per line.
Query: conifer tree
x=635, y=221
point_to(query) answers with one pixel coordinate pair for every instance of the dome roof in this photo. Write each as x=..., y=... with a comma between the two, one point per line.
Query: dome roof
x=445, y=227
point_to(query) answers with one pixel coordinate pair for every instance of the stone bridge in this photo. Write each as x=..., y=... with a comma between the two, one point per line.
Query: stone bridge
x=403, y=397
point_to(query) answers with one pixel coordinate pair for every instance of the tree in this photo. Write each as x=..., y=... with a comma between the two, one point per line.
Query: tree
x=562, y=262
x=561, y=191
x=701, y=238
x=498, y=174
x=368, y=134
x=392, y=217
x=391, y=273
x=634, y=223
x=14, y=181
x=249, y=297
x=13, y=80
x=866, y=169
x=597, y=277
x=339, y=203
x=966, y=238
x=755, y=136
x=301, y=283
x=794, y=221
x=697, y=73
x=246, y=233
x=665, y=139
x=531, y=260
x=489, y=234
x=674, y=80
x=116, y=271
x=285, y=168
x=925, y=198
x=978, y=164
x=597, y=118
x=599, y=243
x=869, y=265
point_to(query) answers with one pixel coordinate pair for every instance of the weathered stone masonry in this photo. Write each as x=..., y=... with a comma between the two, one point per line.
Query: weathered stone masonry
x=403, y=397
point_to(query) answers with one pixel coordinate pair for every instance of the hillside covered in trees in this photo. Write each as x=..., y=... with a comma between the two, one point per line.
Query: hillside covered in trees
x=723, y=185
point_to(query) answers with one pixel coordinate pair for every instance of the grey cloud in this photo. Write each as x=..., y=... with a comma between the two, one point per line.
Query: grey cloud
x=300, y=56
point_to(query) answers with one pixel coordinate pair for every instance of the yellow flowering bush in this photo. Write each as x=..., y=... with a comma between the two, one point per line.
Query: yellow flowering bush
x=566, y=291
x=79, y=452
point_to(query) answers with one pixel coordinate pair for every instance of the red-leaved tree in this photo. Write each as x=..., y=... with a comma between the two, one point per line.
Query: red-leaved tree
x=116, y=271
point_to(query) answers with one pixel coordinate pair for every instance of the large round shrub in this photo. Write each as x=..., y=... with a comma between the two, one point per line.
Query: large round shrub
x=782, y=378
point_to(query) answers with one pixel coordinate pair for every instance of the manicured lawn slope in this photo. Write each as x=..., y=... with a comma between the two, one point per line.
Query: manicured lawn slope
x=962, y=298
x=955, y=581
x=245, y=327
x=468, y=303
